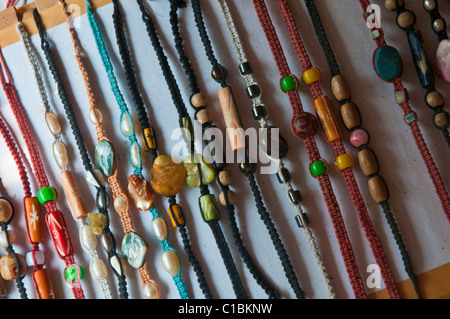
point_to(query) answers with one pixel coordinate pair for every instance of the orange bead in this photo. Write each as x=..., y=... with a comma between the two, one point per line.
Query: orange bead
x=231, y=117
x=73, y=195
x=34, y=220
x=328, y=118
x=44, y=289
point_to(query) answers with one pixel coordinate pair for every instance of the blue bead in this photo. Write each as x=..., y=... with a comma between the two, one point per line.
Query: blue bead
x=387, y=63
x=423, y=65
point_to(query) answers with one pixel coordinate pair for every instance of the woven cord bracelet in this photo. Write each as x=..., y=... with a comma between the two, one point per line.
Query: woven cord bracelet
x=406, y=20
x=93, y=175
x=304, y=126
x=46, y=195
x=207, y=202
x=260, y=115
x=232, y=120
x=223, y=177
x=344, y=160
x=410, y=117
x=134, y=248
x=142, y=201
x=359, y=138
x=71, y=190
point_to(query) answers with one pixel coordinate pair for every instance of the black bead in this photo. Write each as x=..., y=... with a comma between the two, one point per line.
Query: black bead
x=253, y=91
x=259, y=112
x=219, y=73
x=284, y=175
x=295, y=196
x=245, y=68
x=247, y=168
x=299, y=221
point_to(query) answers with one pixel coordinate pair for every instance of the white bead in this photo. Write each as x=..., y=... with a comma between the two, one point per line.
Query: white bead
x=126, y=126
x=120, y=204
x=171, y=262
x=115, y=263
x=52, y=123
x=38, y=255
x=151, y=291
x=135, y=155
x=4, y=240
x=99, y=176
x=88, y=239
x=98, y=269
x=98, y=115
x=60, y=154
x=159, y=227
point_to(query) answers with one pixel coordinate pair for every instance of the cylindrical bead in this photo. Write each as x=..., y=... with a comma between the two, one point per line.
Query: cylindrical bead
x=368, y=162
x=171, y=262
x=60, y=234
x=73, y=195
x=378, y=189
x=327, y=117
x=52, y=123
x=60, y=154
x=231, y=117
x=44, y=289
x=149, y=138
x=87, y=238
x=8, y=266
x=34, y=220
x=98, y=269
x=350, y=115
x=340, y=88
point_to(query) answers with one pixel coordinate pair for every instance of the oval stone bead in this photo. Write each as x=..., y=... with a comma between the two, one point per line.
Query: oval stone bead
x=126, y=125
x=171, y=262
x=167, y=177
x=6, y=211
x=339, y=87
x=368, y=162
x=350, y=115
x=8, y=266
x=150, y=291
x=98, y=269
x=4, y=238
x=387, y=63
x=134, y=249
x=378, y=189
x=53, y=123
x=105, y=157
x=140, y=193
x=159, y=227
x=87, y=238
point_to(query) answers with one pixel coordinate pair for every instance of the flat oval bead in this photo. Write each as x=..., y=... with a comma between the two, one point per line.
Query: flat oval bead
x=87, y=238
x=167, y=177
x=4, y=239
x=53, y=123
x=135, y=155
x=339, y=87
x=39, y=256
x=140, y=193
x=159, y=227
x=6, y=211
x=378, y=189
x=8, y=266
x=150, y=291
x=105, y=157
x=98, y=269
x=350, y=115
x=368, y=162
x=93, y=116
x=126, y=125
x=387, y=63
x=134, y=249
x=171, y=262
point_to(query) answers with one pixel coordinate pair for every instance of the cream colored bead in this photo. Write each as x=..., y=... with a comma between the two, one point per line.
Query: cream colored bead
x=87, y=238
x=116, y=262
x=95, y=115
x=225, y=178
x=60, y=154
x=99, y=176
x=204, y=116
x=126, y=126
x=231, y=197
x=98, y=269
x=120, y=204
x=171, y=262
x=52, y=123
x=151, y=291
x=198, y=100
x=159, y=227
x=4, y=240
x=135, y=155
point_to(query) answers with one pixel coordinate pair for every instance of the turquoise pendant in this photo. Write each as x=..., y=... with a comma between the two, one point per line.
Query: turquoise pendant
x=134, y=249
x=105, y=157
x=387, y=63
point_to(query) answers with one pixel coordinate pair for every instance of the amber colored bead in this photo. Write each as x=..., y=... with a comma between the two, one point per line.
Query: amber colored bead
x=441, y=120
x=176, y=215
x=378, y=189
x=304, y=125
x=391, y=4
x=140, y=193
x=368, y=162
x=325, y=113
x=340, y=89
x=167, y=177
x=33, y=218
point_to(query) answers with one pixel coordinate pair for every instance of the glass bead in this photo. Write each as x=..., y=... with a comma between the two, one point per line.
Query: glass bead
x=295, y=196
x=310, y=76
x=283, y=175
x=46, y=194
x=176, y=215
x=245, y=68
x=318, y=168
x=344, y=161
x=253, y=91
x=288, y=83
x=74, y=272
x=39, y=257
x=259, y=112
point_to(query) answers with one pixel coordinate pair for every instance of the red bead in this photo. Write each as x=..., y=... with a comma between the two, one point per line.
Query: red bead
x=60, y=234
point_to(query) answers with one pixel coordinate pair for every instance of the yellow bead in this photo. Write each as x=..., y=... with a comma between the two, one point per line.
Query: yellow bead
x=310, y=76
x=344, y=161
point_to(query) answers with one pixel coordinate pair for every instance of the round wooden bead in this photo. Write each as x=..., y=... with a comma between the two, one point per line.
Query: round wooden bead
x=204, y=116
x=391, y=5
x=435, y=99
x=406, y=19
x=438, y=25
x=368, y=162
x=8, y=266
x=304, y=125
x=429, y=5
x=340, y=89
x=6, y=211
x=231, y=197
x=198, y=100
x=150, y=291
x=225, y=178
x=441, y=120
x=378, y=189
x=350, y=115
x=171, y=262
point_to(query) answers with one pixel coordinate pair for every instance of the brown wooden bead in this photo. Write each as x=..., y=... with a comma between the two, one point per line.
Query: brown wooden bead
x=231, y=197
x=198, y=100
x=8, y=266
x=435, y=99
x=368, y=162
x=406, y=19
x=304, y=125
x=391, y=5
x=6, y=211
x=378, y=189
x=340, y=89
x=225, y=178
x=204, y=116
x=350, y=116
x=441, y=120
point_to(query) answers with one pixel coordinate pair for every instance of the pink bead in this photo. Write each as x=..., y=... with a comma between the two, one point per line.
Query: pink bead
x=359, y=137
x=442, y=61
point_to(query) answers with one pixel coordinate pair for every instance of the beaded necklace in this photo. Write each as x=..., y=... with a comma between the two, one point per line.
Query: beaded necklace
x=233, y=121
x=46, y=195
x=143, y=200
x=260, y=115
x=434, y=99
x=359, y=137
x=410, y=117
x=150, y=145
x=88, y=240
x=133, y=245
x=207, y=202
x=93, y=174
x=224, y=177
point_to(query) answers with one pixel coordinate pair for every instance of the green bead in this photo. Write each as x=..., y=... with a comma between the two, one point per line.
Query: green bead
x=288, y=83
x=188, y=130
x=193, y=177
x=46, y=194
x=209, y=208
x=71, y=273
x=318, y=168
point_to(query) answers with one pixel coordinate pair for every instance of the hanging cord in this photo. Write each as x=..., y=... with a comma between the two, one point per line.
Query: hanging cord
x=71, y=117
x=195, y=91
x=212, y=221
x=363, y=149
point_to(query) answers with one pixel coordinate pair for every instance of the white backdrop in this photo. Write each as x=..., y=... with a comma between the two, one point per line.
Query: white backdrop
x=416, y=207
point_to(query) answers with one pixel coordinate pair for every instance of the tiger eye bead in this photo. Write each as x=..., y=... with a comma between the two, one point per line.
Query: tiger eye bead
x=304, y=125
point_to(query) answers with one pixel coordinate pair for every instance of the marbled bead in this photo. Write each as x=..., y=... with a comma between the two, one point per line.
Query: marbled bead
x=8, y=266
x=387, y=63
x=304, y=125
x=134, y=249
x=359, y=138
x=6, y=211
x=105, y=157
x=442, y=60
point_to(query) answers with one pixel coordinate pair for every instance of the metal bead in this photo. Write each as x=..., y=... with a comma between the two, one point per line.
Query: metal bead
x=253, y=91
x=299, y=220
x=219, y=73
x=245, y=68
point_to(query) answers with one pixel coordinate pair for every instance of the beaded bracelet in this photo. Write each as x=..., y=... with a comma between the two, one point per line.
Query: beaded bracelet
x=260, y=115
x=393, y=75
x=77, y=205
x=150, y=145
x=134, y=248
x=207, y=202
x=46, y=195
x=359, y=137
x=223, y=177
x=140, y=192
x=93, y=174
x=233, y=122
x=406, y=20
